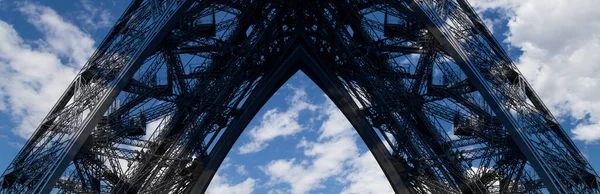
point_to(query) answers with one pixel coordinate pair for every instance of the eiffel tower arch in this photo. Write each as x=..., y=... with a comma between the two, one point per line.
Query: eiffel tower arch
x=205, y=68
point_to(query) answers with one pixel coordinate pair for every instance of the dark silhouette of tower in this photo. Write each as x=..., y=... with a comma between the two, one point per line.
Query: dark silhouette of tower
x=205, y=68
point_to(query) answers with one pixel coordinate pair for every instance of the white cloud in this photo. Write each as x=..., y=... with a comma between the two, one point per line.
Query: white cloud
x=15, y=145
x=60, y=37
x=153, y=126
x=93, y=16
x=275, y=123
x=32, y=73
x=276, y=191
x=220, y=185
x=336, y=123
x=560, y=41
x=365, y=176
x=334, y=151
x=241, y=170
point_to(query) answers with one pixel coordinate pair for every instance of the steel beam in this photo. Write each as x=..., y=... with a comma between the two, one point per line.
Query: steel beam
x=450, y=45
x=338, y=44
x=269, y=84
x=171, y=18
x=333, y=88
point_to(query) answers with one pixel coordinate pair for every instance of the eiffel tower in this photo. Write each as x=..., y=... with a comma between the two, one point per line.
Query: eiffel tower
x=435, y=98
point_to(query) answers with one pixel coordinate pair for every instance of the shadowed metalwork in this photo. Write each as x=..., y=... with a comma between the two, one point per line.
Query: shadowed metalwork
x=438, y=102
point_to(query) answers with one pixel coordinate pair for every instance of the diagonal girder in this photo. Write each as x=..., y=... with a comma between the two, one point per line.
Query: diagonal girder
x=104, y=88
x=434, y=97
x=510, y=109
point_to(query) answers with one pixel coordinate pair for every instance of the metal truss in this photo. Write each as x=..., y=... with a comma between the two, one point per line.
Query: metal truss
x=435, y=98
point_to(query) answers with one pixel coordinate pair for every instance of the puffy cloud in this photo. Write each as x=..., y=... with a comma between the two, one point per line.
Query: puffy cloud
x=365, y=176
x=241, y=170
x=336, y=124
x=326, y=160
x=334, y=154
x=275, y=123
x=560, y=40
x=60, y=37
x=93, y=16
x=220, y=185
x=33, y=74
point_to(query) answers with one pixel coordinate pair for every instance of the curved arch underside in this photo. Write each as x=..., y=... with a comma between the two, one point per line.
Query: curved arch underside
x=300, y=59
x=425, y=78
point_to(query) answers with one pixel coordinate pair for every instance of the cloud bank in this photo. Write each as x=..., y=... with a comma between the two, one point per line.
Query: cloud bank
x=560, y=41
x=34, y=73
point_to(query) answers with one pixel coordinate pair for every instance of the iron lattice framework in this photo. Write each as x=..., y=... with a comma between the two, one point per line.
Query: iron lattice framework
x=405, y=73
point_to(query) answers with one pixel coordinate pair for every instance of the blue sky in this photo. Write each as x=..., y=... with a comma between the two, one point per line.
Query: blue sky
x=299, y=142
